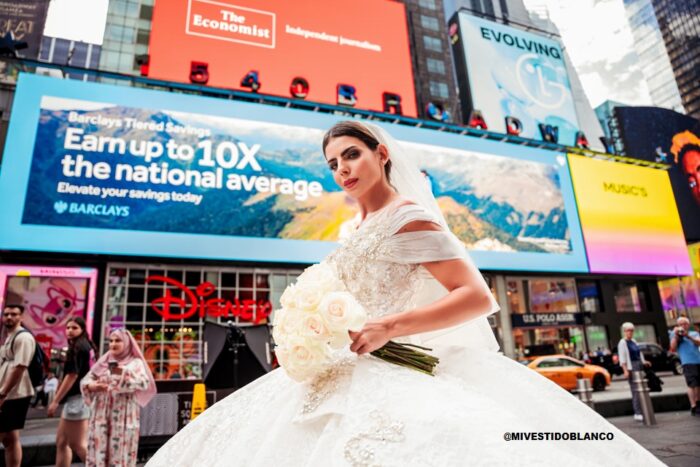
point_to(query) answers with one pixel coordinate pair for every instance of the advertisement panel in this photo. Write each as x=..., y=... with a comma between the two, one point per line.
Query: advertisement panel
x=103, y=169
x=507, y=72
x=327, y=44
x=50, y=296
x=629, y=218
x=26, y=21
x=662, y=135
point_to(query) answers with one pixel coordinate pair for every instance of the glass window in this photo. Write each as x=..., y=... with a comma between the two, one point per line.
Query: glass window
x=429, y=22
x=173, y=347
x=438, y=89
x=436, y=66
x=516, y=296
x=588, y=296
x=146, y=12
x=142, y=36
x=597, y=338
x=645, y=333
x=429, y=4
x=432, y=43
x=629, y=297
x=552, y=295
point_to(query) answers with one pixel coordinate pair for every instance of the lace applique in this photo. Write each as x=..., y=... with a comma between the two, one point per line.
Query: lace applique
x=381, y=287
x=326, y=384
x=360, y=449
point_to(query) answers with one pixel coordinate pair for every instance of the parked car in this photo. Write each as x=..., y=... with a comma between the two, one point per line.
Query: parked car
x=565, y=371
x=661, y=360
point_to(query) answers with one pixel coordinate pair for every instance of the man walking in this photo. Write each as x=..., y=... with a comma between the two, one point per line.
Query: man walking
x=686, y=342
x=15, y=385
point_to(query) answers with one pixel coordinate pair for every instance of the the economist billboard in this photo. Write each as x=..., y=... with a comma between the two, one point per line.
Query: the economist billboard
x=92, y=168
x=504, y=72
x=629, y=218
x=362, y=44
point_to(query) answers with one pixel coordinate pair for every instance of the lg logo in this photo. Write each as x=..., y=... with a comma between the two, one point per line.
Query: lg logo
x=531, y=73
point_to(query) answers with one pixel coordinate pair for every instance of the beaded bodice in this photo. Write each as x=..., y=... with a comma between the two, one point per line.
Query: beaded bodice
x=381, y=286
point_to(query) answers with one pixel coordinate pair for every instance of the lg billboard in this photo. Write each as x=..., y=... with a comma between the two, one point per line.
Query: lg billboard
x=505, y=72
x=352, y=53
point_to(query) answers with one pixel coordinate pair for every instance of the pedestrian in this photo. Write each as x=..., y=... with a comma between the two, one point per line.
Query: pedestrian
x=39, y=395
x=16, y=388
x=116, y=388
x=50, y=386
x=72, y=428
x=686, y=342
x=631, y=359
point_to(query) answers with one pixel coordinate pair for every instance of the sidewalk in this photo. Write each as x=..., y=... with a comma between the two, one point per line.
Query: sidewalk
x=675, y=440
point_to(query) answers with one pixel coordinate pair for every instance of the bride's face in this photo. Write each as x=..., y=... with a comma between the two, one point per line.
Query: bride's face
x=355, y=167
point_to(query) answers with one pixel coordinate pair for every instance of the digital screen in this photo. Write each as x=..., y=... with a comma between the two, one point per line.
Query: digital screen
x=629, y=218
x=96, y=168
x=363, y=44
x=507, y=72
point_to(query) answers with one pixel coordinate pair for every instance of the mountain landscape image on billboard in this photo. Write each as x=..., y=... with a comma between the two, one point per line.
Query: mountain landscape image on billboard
x=492, y=203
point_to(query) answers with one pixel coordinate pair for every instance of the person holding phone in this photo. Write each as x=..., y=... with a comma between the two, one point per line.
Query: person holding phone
x=116, y=388
x=70, y=436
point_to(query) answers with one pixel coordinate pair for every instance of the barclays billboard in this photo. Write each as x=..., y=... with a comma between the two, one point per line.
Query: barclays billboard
x=92, y=168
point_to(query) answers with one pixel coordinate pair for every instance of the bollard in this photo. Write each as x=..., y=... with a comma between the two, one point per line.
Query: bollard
x=585, y=391
x=639, y=385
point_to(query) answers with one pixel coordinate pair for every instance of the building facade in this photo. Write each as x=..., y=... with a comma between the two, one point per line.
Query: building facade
x=653, y=58
x=680, y=27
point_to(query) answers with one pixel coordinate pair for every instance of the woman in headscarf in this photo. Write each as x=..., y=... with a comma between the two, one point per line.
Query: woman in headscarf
x=116, y=388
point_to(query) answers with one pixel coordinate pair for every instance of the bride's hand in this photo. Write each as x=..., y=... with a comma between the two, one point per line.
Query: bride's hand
x=372, y=337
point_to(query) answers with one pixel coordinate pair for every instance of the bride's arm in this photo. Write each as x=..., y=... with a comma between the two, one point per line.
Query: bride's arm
x=467, y=298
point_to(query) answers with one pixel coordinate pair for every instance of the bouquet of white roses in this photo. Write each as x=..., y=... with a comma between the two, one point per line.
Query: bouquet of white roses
x=317, y=313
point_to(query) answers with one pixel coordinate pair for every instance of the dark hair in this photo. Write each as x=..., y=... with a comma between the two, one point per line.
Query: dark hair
x=359, y=131
x=82, y=342
x=14, y=305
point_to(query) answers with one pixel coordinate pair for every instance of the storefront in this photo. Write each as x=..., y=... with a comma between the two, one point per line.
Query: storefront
x=166, y=306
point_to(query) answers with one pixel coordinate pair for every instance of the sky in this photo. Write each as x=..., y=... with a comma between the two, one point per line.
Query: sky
x=600, y=44
x=77, y=20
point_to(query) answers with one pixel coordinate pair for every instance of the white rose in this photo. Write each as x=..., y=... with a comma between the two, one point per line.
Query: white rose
x=341, y=312
x=339, y=340
x=308, y=296
x=314, y=326
x=289, y=297
x=302, y=358
x=323, y=277
x=286, y=323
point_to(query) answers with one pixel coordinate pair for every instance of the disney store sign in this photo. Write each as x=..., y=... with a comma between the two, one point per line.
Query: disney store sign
x=202, y=301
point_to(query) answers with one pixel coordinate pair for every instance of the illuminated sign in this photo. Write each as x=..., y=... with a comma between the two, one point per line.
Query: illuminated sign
x=202, y=302
x=546, y=319
x=329, y=44
x=629, y=218
x=98, y=169
x=507, y=73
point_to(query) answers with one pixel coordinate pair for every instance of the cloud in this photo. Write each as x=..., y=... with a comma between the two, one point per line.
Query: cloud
x=599, y=42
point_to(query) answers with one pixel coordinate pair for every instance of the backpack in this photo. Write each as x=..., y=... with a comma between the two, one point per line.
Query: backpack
x=36, y=366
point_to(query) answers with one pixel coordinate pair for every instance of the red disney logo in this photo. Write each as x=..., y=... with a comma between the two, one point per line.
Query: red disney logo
x=196, y=303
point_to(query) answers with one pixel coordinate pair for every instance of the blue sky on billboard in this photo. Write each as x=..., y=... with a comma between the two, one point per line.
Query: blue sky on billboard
x=116, y=170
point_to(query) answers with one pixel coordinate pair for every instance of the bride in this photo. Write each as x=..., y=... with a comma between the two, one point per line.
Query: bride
x=402, y=263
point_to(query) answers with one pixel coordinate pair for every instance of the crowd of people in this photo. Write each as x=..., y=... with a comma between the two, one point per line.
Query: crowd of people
x=99, y=420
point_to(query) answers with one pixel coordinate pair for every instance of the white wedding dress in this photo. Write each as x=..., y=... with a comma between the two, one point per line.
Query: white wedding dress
x=366, y=412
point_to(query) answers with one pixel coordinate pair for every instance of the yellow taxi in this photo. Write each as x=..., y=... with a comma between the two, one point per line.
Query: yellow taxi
x=565, y=371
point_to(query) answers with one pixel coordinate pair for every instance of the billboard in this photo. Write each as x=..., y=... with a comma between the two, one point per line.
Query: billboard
x=327, y=44
x=26, y=21
x=662, y=135
x=93, y=168
x=507, y=72
x=50, y=296
x=629, y=218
